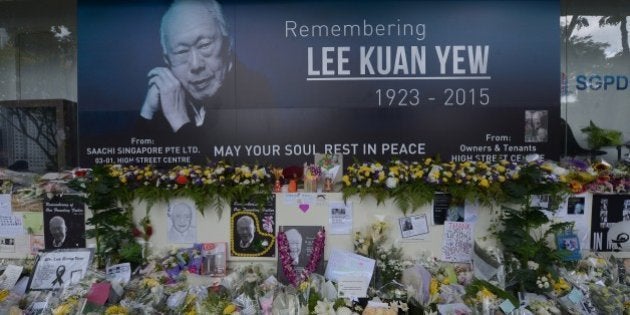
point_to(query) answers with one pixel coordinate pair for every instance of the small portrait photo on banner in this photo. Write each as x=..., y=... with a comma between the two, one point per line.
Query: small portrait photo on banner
x=536, y=126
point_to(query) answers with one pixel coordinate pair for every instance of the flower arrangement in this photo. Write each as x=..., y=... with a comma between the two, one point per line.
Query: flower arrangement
x=214, y=185
x=390, y=263
x=413, y=184
x=284, y=251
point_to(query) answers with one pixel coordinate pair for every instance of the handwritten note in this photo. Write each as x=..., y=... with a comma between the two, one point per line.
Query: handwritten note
x=11, y=226
x=457, y=243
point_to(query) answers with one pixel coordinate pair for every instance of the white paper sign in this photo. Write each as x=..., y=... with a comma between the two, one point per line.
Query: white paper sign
x=415, y=226
x=457, y=242
x=343, y=263
x=10, y=277
x=351, y=286
x=11, y=225
x=59, y=268
x=120, y=272
x=5, y=205
x=339, y=218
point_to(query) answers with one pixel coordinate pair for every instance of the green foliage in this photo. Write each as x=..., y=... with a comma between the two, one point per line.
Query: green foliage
x=110, y=225
x=524, y=235
x=598, y=137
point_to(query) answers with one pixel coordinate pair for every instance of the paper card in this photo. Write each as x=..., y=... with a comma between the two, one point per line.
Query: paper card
x=457, y=242
x=454, y=308
x=351, y=286
x=344, y=263
x=120, y=272
x=57, y=268
x=290, y=199
x=10, y=277
x=339, y=218
x=576, y=296
x=506, y=306
x=99, y=292
x=11, y=226
x=414, y=226
x=5, y=205
x=33, y=222
x=36, y=243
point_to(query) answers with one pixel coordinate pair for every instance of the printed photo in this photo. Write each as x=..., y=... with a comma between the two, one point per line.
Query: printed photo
x=575, y=205
x=536, y=126
x=413, y=226
x=181, y=217
x=253, y=228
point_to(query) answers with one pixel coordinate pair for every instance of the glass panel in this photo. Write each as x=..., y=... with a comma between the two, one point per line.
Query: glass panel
x=596, y=64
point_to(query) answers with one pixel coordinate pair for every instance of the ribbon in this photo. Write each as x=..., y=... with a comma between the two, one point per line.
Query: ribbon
x=59, y=273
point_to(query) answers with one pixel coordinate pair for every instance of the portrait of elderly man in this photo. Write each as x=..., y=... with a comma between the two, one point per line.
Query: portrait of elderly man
x=58, y=229
x=295, y=244
x=195, y=88
x=245, y=229
x=181, y=229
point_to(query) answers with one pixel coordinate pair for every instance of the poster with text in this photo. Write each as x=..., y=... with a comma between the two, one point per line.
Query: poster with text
x=278, y=82
x=64, y=222
x=610, y=223
x=253, y=228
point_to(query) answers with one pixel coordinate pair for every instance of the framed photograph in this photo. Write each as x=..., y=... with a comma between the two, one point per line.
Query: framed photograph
x=253, y=228
x=575, y=205
x=57, y=268
x=301, y=239
x=64, y=222
x=570, y=243
x=413, y=226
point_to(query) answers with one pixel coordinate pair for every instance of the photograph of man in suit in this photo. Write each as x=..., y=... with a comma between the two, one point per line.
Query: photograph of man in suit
x=58, y=230
x=245, y=228
x=194, y=91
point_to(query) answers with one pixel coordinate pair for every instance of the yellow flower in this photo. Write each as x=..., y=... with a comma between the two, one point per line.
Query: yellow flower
x=501, y=178
x=381, y=176
x=485, y=294
x=150, y=282
x=231, y=308
x=123, y=179
x=116, y=310
x=428, y=161
x=303, y=286
x=484, y=183
x=434, y=287
x=448, y=174
x=561, y=286
x=346, y=180
x=500, y=168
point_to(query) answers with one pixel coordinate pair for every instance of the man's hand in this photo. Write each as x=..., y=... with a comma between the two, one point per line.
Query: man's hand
x=165, y=90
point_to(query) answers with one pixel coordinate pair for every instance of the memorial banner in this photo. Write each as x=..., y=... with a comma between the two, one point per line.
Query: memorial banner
x=279, y=82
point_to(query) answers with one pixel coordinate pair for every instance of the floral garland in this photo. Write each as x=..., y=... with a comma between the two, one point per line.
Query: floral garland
x=287, y=262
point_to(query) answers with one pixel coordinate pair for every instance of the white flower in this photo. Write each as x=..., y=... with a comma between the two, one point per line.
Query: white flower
x=219, y=170
x=532, y=265
x=344, y=311
x=324, y=308
x=391, y=182
x=265, y=243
